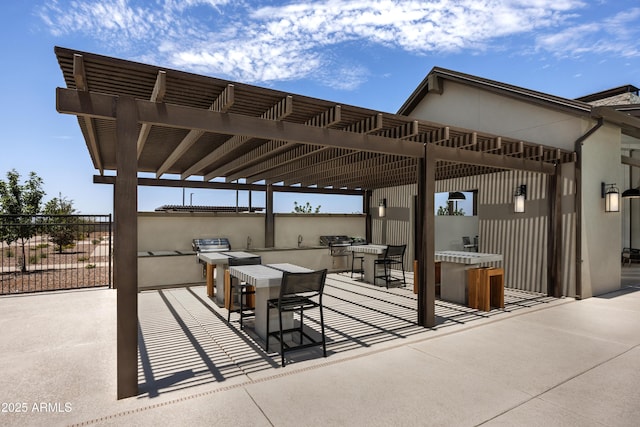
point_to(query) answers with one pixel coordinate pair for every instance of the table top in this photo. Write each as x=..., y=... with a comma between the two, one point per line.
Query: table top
x=462, y=257
x=368, y=249
x=265, y=275
x=223, y=257
x=291, y=268
x=257, y=275
x=214, y=257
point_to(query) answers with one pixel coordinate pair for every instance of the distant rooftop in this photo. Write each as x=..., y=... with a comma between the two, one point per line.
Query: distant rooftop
x=627, y=91
x=195, y=208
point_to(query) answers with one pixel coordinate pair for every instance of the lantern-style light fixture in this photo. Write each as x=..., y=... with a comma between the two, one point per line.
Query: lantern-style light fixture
x=382, y=208
x=519, y=197
x=611, y=196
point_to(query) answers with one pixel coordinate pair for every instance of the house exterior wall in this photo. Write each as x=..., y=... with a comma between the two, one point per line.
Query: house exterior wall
x=523, y=239
x=601, y=231
x=398, y=225
x=472, y=108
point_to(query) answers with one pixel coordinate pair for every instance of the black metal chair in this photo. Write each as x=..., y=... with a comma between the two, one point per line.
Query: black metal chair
x=298, y=292
x=393, y=257
x=246, y=306
x=360, y=258
x=466, y=243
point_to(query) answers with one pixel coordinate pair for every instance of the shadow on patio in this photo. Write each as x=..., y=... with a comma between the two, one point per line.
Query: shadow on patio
x=184, y=340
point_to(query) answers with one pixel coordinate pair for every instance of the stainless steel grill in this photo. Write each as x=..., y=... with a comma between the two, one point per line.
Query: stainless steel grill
x=213, y=244
x=337, y=245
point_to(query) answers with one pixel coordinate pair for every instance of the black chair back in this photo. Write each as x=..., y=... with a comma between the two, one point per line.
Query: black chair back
x=303, y=283
x=395, y=251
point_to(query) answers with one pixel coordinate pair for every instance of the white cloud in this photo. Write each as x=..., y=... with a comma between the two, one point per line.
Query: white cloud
x=617, y=35
x=254, y=43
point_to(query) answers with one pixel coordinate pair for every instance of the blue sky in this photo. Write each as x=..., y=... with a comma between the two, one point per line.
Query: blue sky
x=367, y=53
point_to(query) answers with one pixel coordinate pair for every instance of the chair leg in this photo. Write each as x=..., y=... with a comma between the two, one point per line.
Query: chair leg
x=281, y=337
x=230, y=302
x=387, y=274
x=324, y=341
x=241, y=307
x=353, y=259
x=301, y=326
x=267, y=323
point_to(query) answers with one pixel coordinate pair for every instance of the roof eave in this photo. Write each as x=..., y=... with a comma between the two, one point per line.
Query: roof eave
x=433, y=82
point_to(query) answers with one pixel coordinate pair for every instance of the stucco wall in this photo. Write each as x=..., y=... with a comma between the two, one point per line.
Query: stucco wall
x=175, y=231
x=159, y=231
x=601, y=232
x=473, y=108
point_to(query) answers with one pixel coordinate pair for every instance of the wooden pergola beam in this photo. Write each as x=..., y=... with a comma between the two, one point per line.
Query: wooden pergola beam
x=278, y=112
x=85, y=104
x=157, y=95
x=272, y=148
x=223, y=102
x=80, y=79
x=211, y=185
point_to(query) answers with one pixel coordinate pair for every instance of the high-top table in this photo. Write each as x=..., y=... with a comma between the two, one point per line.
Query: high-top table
x=371, y=253
x=219, y=261
x=267, y=280
x=453, y=276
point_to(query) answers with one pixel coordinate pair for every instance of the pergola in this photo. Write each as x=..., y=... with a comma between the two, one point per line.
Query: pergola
x=138, y=118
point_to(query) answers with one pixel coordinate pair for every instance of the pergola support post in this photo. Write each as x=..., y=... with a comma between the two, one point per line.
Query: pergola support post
x=554, y=272
x=426, y=225
x=366, y=209
x=269, y=219
x=126, y=247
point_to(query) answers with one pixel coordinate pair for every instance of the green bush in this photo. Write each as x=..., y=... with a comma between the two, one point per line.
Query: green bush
x=90, y=266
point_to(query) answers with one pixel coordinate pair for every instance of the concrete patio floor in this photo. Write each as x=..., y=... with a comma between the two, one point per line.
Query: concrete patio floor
x=540, y=361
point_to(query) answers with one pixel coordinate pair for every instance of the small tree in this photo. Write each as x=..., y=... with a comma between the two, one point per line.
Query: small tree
x=307, y=208
x=63, y=228
x=444, y=210
x=20, y=202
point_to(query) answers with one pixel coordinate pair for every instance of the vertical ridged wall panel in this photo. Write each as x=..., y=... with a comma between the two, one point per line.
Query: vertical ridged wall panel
x=521, y=238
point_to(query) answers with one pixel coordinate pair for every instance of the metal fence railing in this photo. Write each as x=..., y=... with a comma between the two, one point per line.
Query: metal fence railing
x=54, y=252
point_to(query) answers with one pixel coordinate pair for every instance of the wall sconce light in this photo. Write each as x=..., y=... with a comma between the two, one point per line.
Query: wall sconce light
x=611, y=196
x=519, y=197
x=382, y=208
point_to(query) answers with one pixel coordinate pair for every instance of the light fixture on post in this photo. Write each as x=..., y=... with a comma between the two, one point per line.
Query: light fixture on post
x=382, y=208
x=611, y=196
x=519, y=197
x=632, y=193
x=456, y=195
x=453, y=201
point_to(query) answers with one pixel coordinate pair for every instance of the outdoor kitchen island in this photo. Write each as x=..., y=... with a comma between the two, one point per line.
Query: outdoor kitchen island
x=453, y=273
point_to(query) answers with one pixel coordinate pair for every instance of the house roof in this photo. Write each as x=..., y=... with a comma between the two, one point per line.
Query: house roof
x=197, y=126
